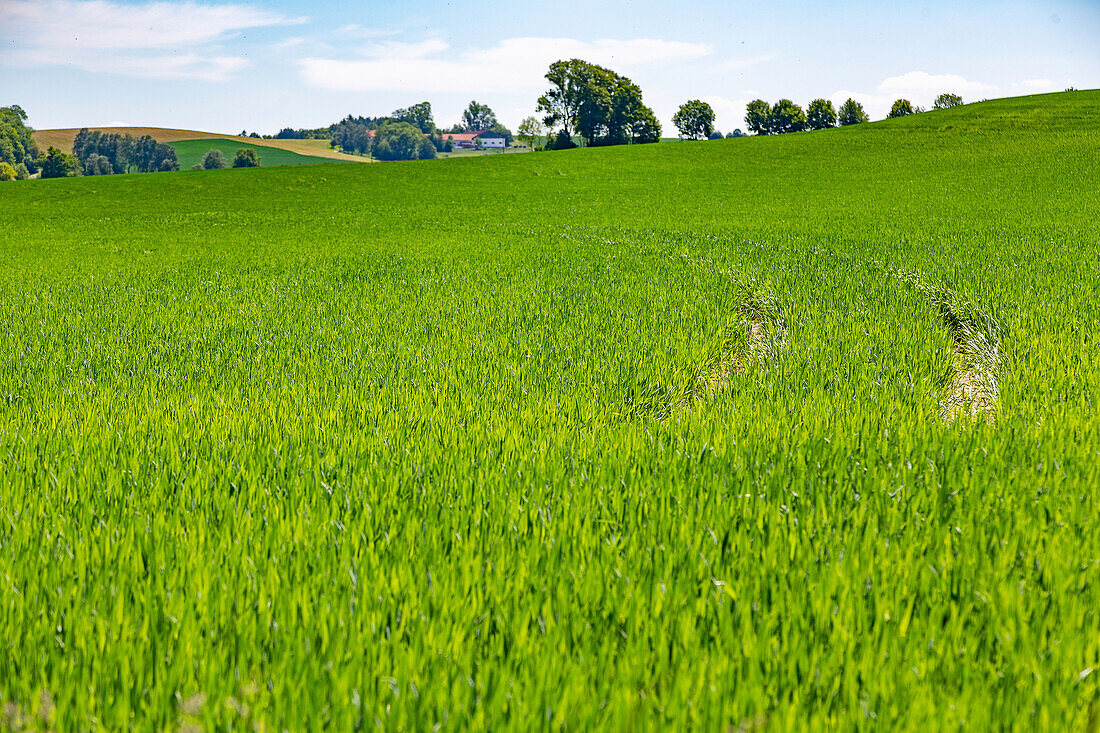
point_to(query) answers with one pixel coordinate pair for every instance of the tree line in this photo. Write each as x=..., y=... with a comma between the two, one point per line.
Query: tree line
x=106, y=153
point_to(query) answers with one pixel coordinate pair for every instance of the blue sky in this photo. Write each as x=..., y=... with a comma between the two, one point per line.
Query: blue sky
x=265, y=64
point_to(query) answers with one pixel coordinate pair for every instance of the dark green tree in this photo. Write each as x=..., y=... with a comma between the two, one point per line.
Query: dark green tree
x=477, y=117
x=786, y=116
x=758, y=117
x=901, y=108
x=16, y=141
x=851, y=113
x=694, y=120
x=214, y=160
x=56, y=164
x=418, y=114
x=946, y=100
x=820, y=115
x=246, y=158
x=401, y=141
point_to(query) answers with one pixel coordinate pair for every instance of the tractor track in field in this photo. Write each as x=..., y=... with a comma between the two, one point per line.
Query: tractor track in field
x=972, y=391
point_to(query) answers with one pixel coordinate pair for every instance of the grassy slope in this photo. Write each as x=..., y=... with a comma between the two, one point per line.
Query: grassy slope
x=63, y=139
x=191, y=152
x=306, y=436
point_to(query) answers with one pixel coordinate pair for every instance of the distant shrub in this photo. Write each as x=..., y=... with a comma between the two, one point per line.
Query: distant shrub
x=246, y=158
x=561, y=141
x=7, y=171
x=901, y=108
x=946, y=100
x=214, y=159
x=851, y=113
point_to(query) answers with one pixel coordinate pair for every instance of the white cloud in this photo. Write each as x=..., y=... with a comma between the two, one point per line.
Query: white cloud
x=1036, y=85
x=152, y=39
x=513, y=65
x=923, y=84
x=919, y=87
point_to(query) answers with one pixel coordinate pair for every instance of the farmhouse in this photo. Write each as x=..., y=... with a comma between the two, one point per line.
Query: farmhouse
x=469, y=140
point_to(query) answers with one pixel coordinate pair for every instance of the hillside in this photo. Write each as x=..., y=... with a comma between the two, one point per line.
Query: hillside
x=662, y=437
x=191, y=152
x=63, y=140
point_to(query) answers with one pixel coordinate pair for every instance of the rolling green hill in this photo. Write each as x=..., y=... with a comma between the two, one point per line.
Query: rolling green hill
x=191, y=152
x=779, y=433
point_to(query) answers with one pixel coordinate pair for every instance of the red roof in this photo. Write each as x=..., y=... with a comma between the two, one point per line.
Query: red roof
x=463, y=137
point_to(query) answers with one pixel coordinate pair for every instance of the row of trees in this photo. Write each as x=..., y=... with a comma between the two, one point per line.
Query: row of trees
x=786, y=116
x=388, y=140
x=106, y=153
x=695, y=118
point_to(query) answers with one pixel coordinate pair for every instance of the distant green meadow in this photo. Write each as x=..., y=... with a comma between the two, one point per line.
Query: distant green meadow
x=637, y=438
x=191, y=152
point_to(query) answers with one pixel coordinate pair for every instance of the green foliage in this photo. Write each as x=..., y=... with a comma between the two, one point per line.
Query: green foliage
x=418, y=115
x=7, y=171
x=901, y=108
x=401, y=141
x=246, y=158
x=16, y=144
x=335, y=448
x=820, y=115
x=353, y=137
x=56, y=164
x=786, y=116
x=529, y=131
x=478, y=117
x=947, y=100
x=694, y=120
x=851, y=113
x=214, y=160
x=758, y=117
x=597, y=104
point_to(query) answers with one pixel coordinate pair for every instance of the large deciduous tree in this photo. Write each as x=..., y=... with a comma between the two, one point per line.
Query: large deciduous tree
x=694, y=120
x=16, y=144
x=758, y=117
x=851, y=113
x=786, y=116
x=820, y=115
x=478, y=117
x=597, y=104
x=419, y=115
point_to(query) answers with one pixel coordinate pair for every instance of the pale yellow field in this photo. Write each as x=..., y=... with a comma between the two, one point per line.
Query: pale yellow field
x=63, y=140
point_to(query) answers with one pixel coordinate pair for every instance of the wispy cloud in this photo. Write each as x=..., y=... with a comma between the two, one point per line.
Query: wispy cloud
x=153, y=39
x=513, y=65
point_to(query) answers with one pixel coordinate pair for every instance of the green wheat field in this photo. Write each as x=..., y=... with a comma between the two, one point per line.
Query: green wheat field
x=641, y=438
